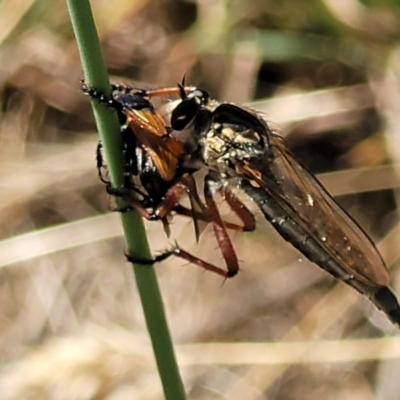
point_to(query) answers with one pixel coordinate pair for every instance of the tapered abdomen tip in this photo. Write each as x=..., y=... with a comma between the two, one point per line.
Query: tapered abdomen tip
x=385, y=299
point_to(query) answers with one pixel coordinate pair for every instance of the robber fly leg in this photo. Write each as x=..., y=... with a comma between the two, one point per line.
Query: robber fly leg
x=212, y=215
x=162, y=210
x=224, y=242
x=173, y=195
x=204, y=264
x=178, y=252
x=158, y=258
x=244, y=214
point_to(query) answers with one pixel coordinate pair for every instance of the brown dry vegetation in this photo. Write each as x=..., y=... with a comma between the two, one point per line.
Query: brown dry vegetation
x=71, y=326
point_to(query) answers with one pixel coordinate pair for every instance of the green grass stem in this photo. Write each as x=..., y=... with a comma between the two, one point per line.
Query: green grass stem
x=95, y=74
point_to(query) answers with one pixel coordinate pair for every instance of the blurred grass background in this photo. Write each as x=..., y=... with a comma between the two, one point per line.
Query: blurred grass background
x=326, y=74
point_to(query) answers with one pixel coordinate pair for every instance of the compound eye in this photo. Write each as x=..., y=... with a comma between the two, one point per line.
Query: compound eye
x=184, y=114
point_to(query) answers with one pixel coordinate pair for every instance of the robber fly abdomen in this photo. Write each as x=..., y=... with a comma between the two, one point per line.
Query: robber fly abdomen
x=381, y=296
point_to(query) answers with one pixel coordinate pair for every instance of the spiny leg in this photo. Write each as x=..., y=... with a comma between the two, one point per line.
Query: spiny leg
x=244, y=214
x=178, y=252
x=212, y=216
x=223, y=240
x=221, y=234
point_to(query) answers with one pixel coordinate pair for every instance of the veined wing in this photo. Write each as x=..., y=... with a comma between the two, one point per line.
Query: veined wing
x=316, y=214
x=162, y=148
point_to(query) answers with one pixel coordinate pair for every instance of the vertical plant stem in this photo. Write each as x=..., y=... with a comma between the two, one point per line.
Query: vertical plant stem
x=109, y=129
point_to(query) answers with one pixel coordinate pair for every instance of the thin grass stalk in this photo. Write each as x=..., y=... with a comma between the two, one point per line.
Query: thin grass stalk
x=95, y=74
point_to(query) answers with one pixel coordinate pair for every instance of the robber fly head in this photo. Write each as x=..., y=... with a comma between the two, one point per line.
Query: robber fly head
x=193, y=109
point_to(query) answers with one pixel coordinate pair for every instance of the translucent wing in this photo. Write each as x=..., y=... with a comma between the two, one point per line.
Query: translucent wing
x=316, y=214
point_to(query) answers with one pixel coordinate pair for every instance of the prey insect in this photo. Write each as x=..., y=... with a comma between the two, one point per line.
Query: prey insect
x=236, y=144
x=158, y=173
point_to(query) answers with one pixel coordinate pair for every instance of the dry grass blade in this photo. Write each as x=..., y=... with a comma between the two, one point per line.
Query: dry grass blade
x=281, y=329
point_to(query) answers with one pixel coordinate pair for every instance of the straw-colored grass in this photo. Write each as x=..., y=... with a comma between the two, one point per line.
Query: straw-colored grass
x=70, y=318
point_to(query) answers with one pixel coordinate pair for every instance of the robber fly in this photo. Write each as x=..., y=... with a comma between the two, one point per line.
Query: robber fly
x=239, y=149
x=159, y=164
